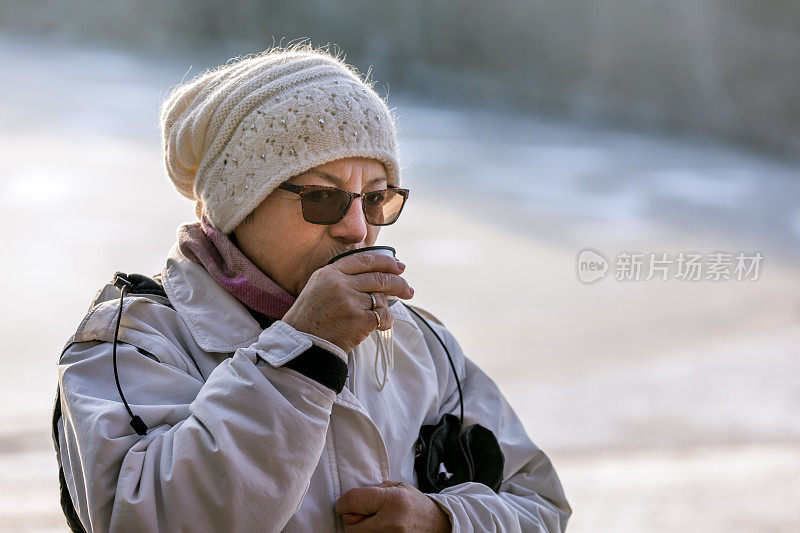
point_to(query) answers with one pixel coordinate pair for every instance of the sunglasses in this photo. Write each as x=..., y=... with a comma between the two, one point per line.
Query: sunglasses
x=328, y=205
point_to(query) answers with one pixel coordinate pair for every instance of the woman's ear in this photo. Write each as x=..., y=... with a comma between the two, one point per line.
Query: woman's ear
x=198, y=209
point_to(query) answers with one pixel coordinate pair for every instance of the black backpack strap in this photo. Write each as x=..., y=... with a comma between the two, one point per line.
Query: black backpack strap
x=73, y=520
x=139, y=284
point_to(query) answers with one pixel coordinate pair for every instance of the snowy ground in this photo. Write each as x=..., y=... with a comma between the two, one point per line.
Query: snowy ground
x=665, y=405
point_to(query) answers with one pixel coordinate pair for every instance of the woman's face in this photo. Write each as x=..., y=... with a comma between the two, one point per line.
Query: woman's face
x=286, y=247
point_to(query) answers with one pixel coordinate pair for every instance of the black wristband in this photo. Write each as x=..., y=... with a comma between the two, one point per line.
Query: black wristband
x=321, y=366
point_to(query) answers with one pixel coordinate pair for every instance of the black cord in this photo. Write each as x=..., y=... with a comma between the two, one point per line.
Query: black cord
x=452, y=365
x=136, y=422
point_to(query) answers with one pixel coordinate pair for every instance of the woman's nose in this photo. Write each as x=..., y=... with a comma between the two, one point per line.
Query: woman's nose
x=353, y=226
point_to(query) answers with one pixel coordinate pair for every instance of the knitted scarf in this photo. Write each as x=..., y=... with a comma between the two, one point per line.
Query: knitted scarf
x=203, y=244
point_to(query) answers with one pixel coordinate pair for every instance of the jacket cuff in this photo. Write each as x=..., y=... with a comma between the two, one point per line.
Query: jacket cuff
x=442, y=503
x=280, y=345
x=322, y=343
x=321, y=366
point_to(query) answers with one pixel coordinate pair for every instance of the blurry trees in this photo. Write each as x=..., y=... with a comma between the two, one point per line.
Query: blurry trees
x=724, y=66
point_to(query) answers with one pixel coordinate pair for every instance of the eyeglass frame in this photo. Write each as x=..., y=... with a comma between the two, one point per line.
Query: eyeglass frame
x=302, y=189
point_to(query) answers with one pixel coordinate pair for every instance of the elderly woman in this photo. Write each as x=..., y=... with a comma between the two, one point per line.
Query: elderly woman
x=234, y=391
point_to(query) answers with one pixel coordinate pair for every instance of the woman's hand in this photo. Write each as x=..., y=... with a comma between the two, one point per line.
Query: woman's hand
x=335, y=303
x=390, y=506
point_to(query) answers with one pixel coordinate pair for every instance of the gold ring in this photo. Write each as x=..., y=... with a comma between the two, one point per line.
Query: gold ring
x=378, y=317
x=374, y=303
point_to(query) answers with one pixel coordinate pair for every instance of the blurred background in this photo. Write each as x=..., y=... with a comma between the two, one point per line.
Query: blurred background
x=529, y=131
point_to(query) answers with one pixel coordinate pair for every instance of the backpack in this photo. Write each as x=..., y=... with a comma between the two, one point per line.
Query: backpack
x=139, y=284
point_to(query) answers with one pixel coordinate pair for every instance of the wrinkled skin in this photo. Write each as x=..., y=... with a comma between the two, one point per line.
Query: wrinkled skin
x=390, y=506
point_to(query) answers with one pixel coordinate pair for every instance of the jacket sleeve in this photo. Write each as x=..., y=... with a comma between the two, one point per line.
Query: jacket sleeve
x=232, y=453
x=531, y=498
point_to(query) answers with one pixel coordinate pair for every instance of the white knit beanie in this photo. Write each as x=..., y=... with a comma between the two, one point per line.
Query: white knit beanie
x=233, y=134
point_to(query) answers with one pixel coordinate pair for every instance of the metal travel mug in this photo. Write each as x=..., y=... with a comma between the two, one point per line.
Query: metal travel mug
x=386, y=250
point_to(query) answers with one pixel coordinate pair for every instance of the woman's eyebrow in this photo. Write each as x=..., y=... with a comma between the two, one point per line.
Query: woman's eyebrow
x=336, y=180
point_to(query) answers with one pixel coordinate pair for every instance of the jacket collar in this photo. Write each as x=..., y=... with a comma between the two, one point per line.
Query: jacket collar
x=217, y=321
x=215, y=318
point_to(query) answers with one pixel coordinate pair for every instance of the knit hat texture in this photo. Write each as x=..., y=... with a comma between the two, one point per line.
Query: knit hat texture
x=233, y=134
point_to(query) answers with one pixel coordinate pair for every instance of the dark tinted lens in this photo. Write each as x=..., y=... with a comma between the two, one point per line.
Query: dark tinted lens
x=383, y=207
x=324, y=206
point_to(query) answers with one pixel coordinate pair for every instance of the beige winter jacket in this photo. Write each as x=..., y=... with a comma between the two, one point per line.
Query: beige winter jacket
x=238, y=443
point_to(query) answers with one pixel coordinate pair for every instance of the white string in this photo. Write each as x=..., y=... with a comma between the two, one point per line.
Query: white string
x=384, y=351
x=390, y=351
x=379, y=356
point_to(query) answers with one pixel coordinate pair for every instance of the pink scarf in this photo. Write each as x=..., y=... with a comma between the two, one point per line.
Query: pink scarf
x=207, y=246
